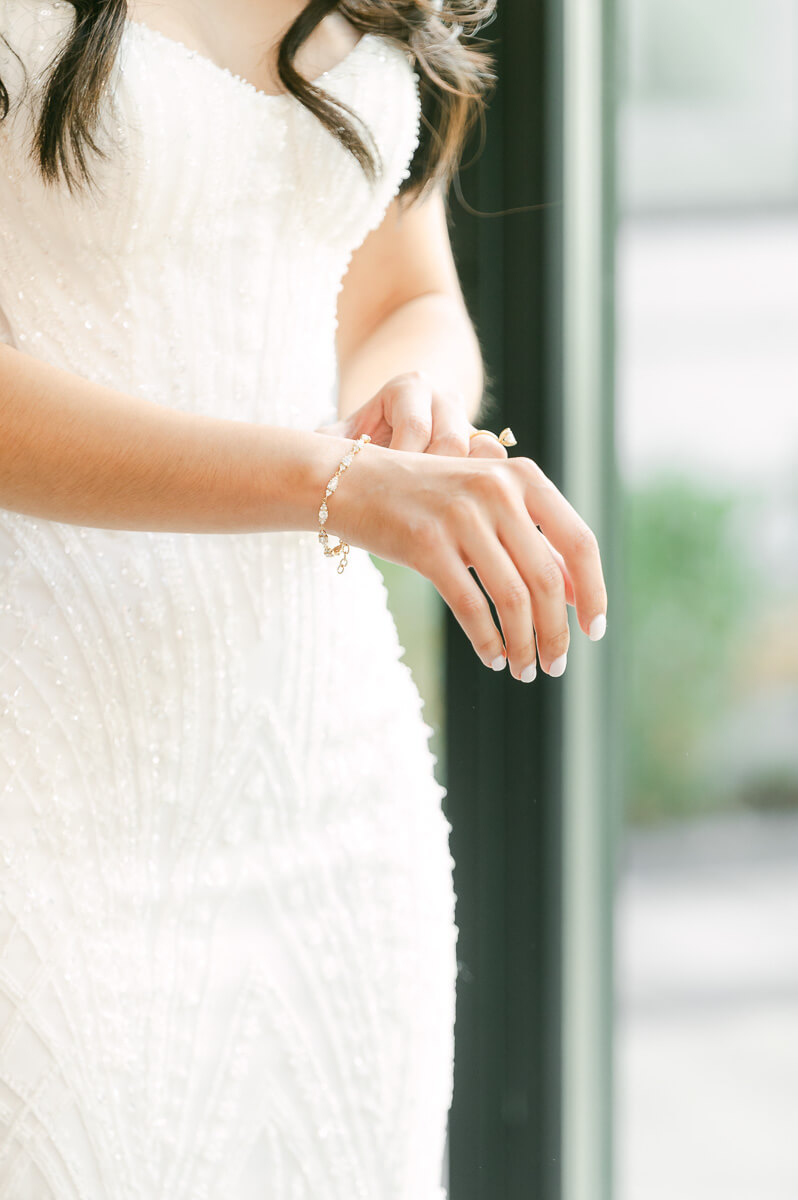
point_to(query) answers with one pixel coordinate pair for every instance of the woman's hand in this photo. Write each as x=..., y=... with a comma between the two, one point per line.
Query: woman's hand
x=441, y=515
x=408, y=413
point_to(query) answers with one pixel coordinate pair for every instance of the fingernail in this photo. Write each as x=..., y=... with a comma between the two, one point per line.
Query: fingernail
x=598, y=627
x=558, y=666
x=499, y=662
x=529, y=673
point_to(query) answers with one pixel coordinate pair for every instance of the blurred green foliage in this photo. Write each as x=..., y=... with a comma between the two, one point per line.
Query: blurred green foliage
x=686, y=593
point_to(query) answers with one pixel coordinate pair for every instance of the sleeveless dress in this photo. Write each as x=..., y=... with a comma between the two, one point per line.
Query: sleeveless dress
x=227, y=936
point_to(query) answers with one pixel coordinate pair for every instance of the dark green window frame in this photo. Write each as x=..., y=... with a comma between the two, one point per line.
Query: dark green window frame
x=533, y=770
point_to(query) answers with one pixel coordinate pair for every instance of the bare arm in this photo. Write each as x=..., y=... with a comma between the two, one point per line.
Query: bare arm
x=401, y=309
x=82, y=453
x=75, y=451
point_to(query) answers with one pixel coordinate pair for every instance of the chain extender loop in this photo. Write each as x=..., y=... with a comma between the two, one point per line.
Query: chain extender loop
x=343, y=547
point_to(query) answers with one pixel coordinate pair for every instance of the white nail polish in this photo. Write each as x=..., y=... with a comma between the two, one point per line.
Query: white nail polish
x=558, y=666
x=529, y=673
x=598, y=627
x=499, y=662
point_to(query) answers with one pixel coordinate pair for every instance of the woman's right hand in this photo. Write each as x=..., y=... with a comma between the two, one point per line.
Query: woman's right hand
x=441, y=515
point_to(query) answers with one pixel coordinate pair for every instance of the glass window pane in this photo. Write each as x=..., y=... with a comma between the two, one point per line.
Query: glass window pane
x=707, y=912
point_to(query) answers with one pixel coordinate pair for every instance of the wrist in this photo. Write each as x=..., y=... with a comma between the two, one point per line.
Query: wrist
x=368, y=506
x=352, y=486
x=340, y=548
x=281, y=475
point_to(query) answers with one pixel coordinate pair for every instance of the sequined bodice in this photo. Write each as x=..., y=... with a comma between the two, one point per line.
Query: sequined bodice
x=206, y=273
x=227, y=946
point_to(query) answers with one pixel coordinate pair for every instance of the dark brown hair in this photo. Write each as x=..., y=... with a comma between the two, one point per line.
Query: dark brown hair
x=455, y=70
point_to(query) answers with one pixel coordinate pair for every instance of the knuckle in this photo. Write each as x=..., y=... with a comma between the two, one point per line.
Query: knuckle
x=549, y=579
x=417, y=425
x=490, y=484
x=487, y=648
x=514, y=595
x=409, y=377
x=408, y=381
x=558, y=643
x=529, y=470
x=393, y=388
x=585, y=542
x=450, y=441
x=469, y=604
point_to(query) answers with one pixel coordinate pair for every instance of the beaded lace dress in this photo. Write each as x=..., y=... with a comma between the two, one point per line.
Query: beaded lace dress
x=227, y=936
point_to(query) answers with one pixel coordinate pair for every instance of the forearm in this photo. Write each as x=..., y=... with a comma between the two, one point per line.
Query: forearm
x=431, y=333
x=76, y=451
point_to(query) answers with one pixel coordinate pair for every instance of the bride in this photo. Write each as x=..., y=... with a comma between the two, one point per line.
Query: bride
x=235, y=362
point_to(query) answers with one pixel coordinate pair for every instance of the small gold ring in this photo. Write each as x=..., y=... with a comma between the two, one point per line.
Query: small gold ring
x=506, y=437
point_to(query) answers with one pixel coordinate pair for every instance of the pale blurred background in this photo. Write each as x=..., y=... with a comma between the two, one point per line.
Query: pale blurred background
x=707, y=440
x=706, y=437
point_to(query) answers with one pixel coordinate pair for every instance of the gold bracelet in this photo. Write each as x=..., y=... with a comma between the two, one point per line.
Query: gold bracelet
x=342, y=548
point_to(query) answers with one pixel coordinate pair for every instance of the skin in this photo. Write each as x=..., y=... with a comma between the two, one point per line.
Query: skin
x=423, y=494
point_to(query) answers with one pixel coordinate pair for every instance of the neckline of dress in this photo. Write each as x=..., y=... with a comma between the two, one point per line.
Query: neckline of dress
x=343, y=64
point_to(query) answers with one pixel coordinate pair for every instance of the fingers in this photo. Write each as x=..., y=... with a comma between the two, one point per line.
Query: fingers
x=409, y=408
x=461, y=592
x=511, y=595
x=532, y=552
x=426, y=420
x=570, y=598
x=569, y=534
x=482, y=445
x=450, y=426
x=543, y=578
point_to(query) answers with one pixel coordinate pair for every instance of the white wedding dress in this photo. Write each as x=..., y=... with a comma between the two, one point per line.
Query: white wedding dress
x=227, y=936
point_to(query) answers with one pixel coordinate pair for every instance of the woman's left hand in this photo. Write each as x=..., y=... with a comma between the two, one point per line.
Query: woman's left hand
x=409, y=413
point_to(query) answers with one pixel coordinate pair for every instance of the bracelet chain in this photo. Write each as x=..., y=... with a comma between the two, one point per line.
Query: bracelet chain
x=342, y=547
